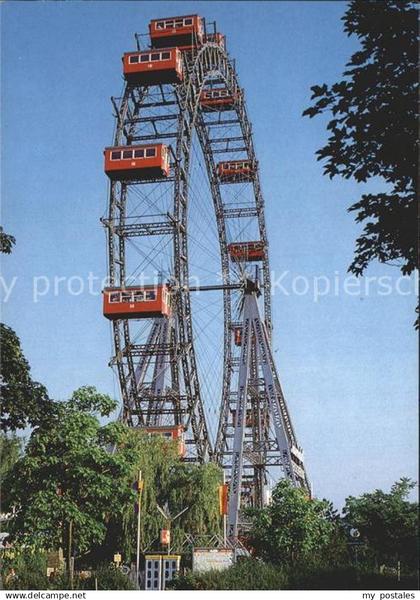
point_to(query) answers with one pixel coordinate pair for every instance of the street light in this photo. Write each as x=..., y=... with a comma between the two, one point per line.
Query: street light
x=140, y=485
x=166, y=514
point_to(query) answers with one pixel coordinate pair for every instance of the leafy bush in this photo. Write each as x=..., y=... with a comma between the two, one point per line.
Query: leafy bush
x=251, y=574
x=346, y=577
x=109, y=578
x=247, y=574
x=25, y=569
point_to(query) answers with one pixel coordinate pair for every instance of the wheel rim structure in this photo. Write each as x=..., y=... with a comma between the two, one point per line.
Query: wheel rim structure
x=173, y=114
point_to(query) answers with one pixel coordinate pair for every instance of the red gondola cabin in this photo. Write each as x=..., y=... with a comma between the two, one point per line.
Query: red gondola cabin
x=153, y=67
x=247, y=251
x=217, y=99
x=249, y=418
x=235, y=171
x=137, y=162
x=176, y=31
x=170, y=432
x=237, y=336
x=137, y=302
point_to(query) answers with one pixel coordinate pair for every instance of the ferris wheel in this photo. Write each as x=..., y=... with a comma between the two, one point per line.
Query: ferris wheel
x=189, y=280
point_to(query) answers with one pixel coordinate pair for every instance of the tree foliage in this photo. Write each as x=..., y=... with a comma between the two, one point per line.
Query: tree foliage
x=68, y=483
x=10, y=451
x=373, y=129
x=293, y=527
x=23, y=400
x=71, y=491
x=388, y=523
x=173, y=485
x=7, y=242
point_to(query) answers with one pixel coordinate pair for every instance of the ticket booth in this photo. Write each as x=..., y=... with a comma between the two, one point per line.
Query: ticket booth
x=160, y=569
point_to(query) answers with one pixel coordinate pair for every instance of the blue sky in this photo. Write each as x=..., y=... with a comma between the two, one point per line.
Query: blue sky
x=347, y=362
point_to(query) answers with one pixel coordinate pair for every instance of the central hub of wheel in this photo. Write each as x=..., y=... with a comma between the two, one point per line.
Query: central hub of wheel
x=252, y=286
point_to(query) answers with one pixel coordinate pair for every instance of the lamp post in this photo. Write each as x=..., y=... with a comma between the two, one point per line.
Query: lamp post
x=355, y=535
x=140, y=484
x=169, y=520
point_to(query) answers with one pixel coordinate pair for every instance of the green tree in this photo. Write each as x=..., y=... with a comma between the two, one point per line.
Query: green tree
x=10, y=450
x=7, y=242
x=292, y=528
x=67, y=484
x=373, y=129
x=388, y=523
x=197, y=487
x=23, y=400
x=174, y=485
x=74, y=486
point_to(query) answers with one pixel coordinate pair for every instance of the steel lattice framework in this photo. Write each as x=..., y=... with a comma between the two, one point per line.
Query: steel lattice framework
x=254, y=432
